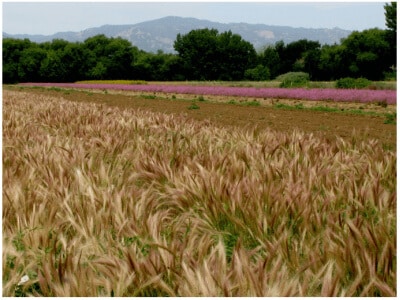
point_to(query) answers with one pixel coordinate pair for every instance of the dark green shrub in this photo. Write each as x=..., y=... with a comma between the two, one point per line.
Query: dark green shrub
x=258, y=73
x=390, y=118
x=193, y=106
x=252, y=103
x=362, y=83
x=345, y=83
x=293, y=79
x=352, y=83
x=148, y=96
x=391, y=75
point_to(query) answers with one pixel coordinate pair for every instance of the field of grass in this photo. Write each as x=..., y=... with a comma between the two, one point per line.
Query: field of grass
x=105, y=201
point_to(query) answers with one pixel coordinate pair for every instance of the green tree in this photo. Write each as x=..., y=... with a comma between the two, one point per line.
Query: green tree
x=234, y=56
x=391, y=16
x=12, y=51
x=96, y=60
x=172, y=69
x=108, y=58
x=331, y=64
x=270, y=59
x=119, y=54
x=30, y=62
x=74, y=57
x=207, y=55
x=292, y=56
x=158, y=67
x=52, y=68
x=311, y=60
x=367, y=54
x=391, y=33
x=258, y=73
x=198, y=53
x=148, y=66
x=99, y=71
x=97, y=44
x=55, y=44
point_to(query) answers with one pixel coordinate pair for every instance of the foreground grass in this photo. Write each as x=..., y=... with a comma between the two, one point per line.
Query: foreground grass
x=99, y=201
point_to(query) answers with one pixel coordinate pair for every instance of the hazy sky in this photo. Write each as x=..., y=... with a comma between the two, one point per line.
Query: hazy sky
x=51, y=17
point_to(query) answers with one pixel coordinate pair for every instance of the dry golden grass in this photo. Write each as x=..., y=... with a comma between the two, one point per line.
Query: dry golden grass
x=100, y=201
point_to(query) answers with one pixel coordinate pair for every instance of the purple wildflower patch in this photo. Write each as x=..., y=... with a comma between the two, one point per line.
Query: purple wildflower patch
x=343, y=95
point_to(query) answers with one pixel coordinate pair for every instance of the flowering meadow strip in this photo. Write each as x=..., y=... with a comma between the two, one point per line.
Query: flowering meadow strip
x=342, y=95
x=113, y=81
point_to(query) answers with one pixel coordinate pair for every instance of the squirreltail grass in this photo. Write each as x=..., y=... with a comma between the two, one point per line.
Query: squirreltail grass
x=101, y=201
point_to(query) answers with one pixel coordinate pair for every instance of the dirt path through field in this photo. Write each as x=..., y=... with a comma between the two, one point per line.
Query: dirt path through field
x=327, y=124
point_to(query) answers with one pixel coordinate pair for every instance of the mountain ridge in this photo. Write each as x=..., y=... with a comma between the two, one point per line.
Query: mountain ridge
x=160, y=34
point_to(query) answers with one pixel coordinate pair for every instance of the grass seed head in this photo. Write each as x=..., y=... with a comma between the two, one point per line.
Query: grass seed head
x=100, y=201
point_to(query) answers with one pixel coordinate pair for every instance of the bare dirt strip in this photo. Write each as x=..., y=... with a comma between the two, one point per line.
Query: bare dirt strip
x=350, y=126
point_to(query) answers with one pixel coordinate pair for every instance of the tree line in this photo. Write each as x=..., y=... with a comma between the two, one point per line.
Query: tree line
x=203, y=54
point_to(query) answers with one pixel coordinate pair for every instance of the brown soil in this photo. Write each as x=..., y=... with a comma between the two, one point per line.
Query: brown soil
x=349, y=126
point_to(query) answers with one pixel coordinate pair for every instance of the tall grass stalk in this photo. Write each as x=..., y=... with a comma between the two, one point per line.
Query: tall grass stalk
x=100, y=201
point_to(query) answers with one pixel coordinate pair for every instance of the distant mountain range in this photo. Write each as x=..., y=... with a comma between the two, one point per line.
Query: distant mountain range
x=160, y=34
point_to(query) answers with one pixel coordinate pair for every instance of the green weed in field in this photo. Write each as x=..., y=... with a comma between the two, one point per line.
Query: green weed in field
x=390, y=118
x=193, y=106
x=251, y=103
x=148, y=96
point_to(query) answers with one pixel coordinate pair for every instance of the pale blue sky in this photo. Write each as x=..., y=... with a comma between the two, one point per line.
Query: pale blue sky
x=51, y=17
